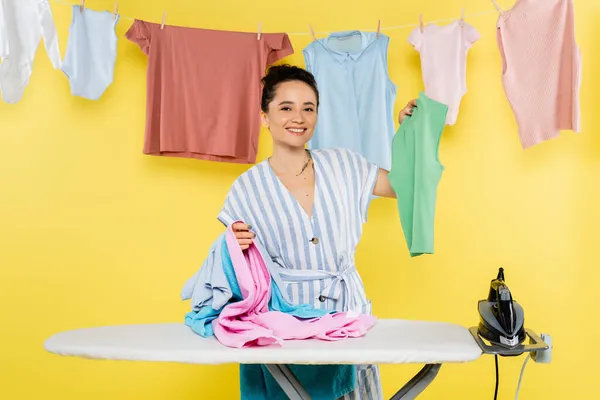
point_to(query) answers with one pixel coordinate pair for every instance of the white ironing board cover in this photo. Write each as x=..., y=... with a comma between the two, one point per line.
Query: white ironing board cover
x=390, y=341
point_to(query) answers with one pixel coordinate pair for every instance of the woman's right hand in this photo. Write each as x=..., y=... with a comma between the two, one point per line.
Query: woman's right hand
x=243, y=235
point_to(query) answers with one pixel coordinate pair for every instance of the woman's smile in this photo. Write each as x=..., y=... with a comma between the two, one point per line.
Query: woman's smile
x=296, y=131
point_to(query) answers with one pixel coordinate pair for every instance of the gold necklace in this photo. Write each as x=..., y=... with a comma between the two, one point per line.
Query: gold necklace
x=306, y=163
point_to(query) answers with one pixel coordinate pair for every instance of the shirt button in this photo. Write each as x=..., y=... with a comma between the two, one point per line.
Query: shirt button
x=314, y=240
x=321, y=298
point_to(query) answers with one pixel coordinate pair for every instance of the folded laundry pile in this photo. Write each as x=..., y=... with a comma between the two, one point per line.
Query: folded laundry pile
x=236, y=297
x=241, y=304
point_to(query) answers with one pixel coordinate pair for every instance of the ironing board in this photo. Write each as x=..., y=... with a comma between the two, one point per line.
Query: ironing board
x=390, y=341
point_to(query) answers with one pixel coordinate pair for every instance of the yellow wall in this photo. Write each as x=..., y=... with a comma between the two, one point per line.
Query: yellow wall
x=92, y=232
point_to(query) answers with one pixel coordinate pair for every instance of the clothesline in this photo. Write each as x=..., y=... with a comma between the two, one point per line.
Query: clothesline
x=387, y=28
x=68, y=3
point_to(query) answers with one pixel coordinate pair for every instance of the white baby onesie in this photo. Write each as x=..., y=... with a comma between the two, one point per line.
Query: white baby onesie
x=91, y=52
x=26, y=22
x=443, y=51
x=3, y=34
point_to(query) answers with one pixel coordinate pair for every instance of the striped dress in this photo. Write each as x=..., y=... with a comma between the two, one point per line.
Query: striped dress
x=315, y=253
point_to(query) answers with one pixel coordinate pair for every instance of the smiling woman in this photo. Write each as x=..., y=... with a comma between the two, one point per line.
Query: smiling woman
x=307, y=208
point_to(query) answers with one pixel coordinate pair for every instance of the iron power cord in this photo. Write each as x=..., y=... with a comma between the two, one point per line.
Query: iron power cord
x=496, y=390
x=521, y=376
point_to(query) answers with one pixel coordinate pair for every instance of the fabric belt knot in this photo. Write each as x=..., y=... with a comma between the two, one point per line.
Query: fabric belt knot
x=341, y=281
x=334, y=289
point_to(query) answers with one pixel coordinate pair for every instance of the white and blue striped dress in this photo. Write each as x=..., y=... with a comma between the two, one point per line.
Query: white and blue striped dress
x=316, y=253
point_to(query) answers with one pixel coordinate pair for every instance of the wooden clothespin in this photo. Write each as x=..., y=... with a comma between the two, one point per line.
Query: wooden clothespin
x=462, y=17
x=312, y=33
x=81, y=5
x=378, y=27
x=259, y=29
x=116, y=10
x=164, y=18
x=421, y=22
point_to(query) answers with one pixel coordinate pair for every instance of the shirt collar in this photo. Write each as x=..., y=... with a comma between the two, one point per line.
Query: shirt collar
x=367, y=38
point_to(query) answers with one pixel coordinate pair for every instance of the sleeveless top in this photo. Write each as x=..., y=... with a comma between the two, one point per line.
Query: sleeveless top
x=541, y=67
x=356, y=110
x=416, y=172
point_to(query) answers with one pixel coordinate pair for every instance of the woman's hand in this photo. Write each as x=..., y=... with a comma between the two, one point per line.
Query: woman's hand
x=243, y=235
x=407, y=110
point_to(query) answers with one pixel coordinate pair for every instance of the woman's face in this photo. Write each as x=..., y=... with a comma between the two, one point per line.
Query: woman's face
x=292, y=114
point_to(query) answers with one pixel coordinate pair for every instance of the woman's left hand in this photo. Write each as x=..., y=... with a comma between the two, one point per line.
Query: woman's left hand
x=407, y=110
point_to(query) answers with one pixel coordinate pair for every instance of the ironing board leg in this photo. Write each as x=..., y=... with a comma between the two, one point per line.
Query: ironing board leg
x=295, y=391
x=418, y=383
x=288, y=382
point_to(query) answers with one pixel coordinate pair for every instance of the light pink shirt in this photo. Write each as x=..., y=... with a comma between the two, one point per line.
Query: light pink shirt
x=250, y=323
x=443, y=52
x=541, y=67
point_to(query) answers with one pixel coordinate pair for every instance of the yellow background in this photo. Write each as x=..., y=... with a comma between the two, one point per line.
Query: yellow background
x=92, y=232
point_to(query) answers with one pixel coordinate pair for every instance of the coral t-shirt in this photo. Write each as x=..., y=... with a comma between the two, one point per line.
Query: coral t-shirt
x=203, y=89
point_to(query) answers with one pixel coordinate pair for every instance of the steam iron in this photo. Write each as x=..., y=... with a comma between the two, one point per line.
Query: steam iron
x=501, y=319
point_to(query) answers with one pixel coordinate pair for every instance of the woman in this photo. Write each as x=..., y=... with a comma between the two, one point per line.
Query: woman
x=307, y=207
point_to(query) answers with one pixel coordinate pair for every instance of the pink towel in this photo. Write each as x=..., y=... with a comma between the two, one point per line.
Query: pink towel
x=250, y=323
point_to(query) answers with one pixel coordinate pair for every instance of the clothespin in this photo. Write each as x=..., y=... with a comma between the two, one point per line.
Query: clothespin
x=378, y=27
x=116, y=10
x=81, y=5
x=312, y=32
x=497, y=7
x=164, y=18
x=462, y=17
x=259, y=29
x=421, y=22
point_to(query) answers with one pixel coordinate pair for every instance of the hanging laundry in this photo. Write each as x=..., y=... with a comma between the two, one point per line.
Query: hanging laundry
x=541, y=68
x=203, y=89
x=357, y=95
x=91, y=52
x=443, y=52
x=3, y=34
x=25, y=23
x=416, y=172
